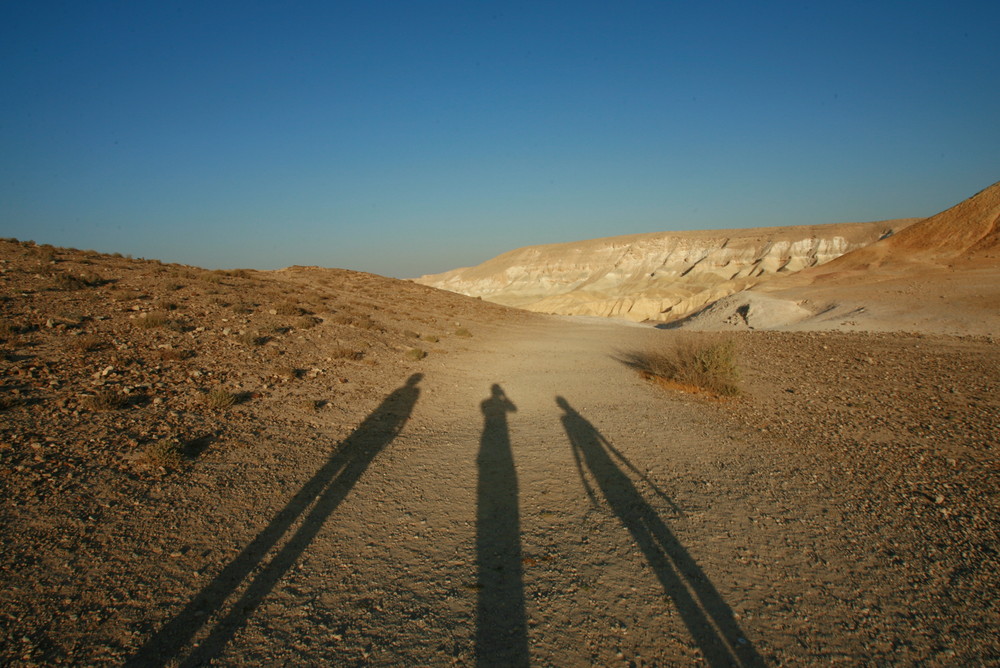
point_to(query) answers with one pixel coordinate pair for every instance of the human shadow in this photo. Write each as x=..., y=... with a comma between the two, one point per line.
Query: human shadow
x=501, y=622
x=316, y=500
x=707, y=616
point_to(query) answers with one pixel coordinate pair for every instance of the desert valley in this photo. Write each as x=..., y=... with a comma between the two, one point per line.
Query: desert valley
x=317, y=466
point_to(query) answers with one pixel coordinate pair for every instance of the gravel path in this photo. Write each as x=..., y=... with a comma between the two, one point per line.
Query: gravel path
x=517, y=497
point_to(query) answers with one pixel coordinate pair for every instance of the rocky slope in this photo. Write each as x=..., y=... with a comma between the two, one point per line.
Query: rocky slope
x=940, y=275
x=656, y=276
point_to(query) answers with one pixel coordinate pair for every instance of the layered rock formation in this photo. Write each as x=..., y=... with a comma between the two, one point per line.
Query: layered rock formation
x=940, y=275
x=657, y=276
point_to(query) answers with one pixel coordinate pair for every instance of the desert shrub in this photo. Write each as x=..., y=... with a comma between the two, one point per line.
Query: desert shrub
x=175, y=354
x=165, y=304
x=708, y=363
x=345, y=353
x=290, y=372
x=462, y=331
x=167, y=453
x=152, y=320
x=213, y=277
x=219, y=398
x=87, y=342
x=8, y=329
x=416, y=354
x=242, y=308
x=173, y=286
x=104, y=400
x=288, y=308
x=313, y=404
x=67, y=282
x=430, y=338
x=306, y=322
x=252, y=339
x=9, y=401
x=410, y=334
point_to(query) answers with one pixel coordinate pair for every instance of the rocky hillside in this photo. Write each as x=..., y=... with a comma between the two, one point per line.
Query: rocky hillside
x=656, y=276
x=940, y=275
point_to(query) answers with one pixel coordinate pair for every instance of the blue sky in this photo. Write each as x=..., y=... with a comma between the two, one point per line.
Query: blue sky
x=410, y=137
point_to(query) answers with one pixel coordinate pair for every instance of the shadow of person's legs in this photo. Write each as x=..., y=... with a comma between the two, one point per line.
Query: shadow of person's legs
x=706, y=615
x=323, y=492
x=501, y=623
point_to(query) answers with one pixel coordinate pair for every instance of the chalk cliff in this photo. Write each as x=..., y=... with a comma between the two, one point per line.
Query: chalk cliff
x=656, y=276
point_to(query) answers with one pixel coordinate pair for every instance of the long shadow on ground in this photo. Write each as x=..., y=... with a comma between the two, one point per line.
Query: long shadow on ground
x=320, y=496
x=707, y=616
x=501, y=623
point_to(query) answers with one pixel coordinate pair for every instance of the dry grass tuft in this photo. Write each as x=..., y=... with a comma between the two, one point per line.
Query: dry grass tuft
x=87, y=342
x=152, y=320
x=166, y=453
x=703, y=363
x=462, y=331
x=105, y=400
x=219, y=398
x=416, y=354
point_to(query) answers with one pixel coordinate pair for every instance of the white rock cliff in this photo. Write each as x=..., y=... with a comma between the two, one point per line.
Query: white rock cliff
x=658, y=276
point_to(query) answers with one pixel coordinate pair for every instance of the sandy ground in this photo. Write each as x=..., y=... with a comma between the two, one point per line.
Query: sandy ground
x=517, y=497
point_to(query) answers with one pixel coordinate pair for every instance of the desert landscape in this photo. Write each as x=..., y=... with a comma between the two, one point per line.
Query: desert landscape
x=318, y=466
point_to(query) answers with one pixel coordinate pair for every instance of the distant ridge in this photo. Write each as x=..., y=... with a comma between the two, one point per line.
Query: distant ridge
x=655, y=276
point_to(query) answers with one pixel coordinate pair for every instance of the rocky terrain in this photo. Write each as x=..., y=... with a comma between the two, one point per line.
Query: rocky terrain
x=316, y=466
x=657, y=276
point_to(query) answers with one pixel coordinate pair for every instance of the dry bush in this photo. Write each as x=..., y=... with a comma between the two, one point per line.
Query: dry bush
x=175, y=354
x=219, y=398
x=252, y=339
x=416, y=354
x=105, y=400
x=8, y=329
x=152, y=320
x=87, y=342
x=462, y=331
x=165, y=304
x=702, y=362
x=290, y=372
x=288, y=308
x=213, y=277
x=9, y=401
x=345, y=353
x=306, y=322
x=410, y=334
x=430, y=338
x=166, y=453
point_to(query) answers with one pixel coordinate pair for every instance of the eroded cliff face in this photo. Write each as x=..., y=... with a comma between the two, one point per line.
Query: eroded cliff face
x=657, y=276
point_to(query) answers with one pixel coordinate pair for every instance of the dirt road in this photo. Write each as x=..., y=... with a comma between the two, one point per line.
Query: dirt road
x=525, y=499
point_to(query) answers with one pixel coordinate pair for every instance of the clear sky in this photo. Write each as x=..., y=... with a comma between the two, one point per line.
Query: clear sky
x=411, y=137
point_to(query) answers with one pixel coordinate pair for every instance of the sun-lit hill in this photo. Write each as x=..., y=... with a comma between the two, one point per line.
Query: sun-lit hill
x=655, y=276
x=941, y=274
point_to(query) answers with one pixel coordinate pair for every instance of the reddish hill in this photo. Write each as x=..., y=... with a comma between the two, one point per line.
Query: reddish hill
x=967, y=232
